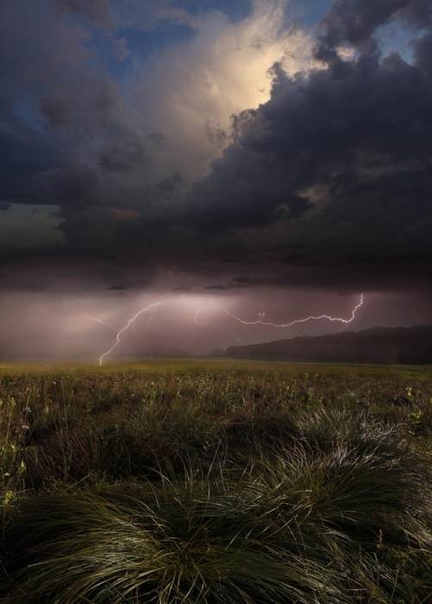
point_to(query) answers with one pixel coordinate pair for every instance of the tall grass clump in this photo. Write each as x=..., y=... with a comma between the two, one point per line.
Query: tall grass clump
x=173, y=544
x=203, y=486
x=336, y=519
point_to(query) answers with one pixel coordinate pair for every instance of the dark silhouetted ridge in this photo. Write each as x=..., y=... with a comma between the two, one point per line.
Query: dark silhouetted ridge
x=409, y=345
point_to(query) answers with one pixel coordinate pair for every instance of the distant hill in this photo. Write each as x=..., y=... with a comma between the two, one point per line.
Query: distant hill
x=411, y=345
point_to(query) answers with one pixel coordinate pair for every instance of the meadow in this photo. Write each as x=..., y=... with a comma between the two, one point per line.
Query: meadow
x=215, y=482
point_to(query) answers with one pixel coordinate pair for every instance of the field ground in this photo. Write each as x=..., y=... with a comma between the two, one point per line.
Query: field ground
x=215, y=482
x=163, y=365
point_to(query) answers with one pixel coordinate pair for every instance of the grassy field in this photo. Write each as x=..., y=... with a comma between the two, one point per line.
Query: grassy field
x=215, y=482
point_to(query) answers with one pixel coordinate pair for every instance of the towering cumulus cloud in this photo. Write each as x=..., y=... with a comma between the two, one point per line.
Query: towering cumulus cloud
x=176, y=132
x=338, y=163
x=110, y=128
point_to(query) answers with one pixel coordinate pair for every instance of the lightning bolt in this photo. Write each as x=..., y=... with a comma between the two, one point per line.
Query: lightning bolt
x=262, y=321
x=101, y=321
x=198, y=321
x=197, y=317
x=130, y=322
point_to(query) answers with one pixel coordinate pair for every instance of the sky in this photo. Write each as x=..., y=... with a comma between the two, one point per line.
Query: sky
x=232, y=162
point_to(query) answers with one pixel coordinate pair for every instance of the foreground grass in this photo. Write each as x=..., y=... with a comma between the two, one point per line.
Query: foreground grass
x=217, y=483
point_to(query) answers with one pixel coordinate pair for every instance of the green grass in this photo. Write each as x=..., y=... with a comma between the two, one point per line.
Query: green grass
x=217, y=482
x=197, y=365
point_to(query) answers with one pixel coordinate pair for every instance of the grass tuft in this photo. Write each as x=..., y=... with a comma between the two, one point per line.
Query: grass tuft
x=199, y=485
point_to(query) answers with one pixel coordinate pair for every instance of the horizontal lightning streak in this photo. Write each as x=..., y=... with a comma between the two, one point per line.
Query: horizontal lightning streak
x=101, y=321
x=298, y=321
x=125, y=328
x=198, y=321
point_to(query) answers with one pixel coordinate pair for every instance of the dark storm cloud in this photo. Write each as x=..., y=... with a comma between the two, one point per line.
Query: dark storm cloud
x=280, y=277
x=219, y=287
x=49, y=93
x=68, y=273
x=67, y=131
x=27, y=63
x=128, y=13
x=423, y=53
x=98, y=11
x=122, y=156
x=70, y=135
x=337, y=166
x=19, y=161
x=334, y=170
x=130, y=284
x=354, y=22
x=246, y=282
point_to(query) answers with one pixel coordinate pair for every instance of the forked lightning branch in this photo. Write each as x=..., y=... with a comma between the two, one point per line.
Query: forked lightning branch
x=260, y=321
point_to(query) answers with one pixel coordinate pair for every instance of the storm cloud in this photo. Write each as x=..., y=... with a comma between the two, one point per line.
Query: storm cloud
x=69, y=134
x=337, y=166
x=355, y=22
x=112, y=147
x=249, y=143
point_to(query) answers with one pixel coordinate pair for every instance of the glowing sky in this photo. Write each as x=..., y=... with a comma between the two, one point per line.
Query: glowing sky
x=262, y=156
